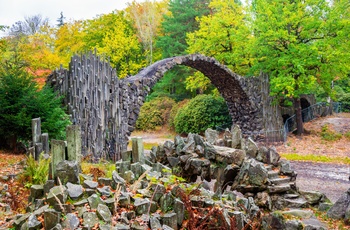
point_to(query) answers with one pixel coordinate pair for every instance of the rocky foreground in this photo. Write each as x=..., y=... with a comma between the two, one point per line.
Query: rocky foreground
x=191, y=183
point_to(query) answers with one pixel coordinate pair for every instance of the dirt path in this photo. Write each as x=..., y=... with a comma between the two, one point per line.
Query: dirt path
x=312, y=143
x=330, y=179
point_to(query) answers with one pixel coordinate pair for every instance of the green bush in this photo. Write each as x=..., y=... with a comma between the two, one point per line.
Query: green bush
x=200, y=113
x=21, y=101
x=173, y=112
x=154, y=113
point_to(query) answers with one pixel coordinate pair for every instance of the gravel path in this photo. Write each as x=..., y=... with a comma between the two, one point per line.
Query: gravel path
x=331, y=179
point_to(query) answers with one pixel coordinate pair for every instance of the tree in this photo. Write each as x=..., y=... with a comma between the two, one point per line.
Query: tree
x=69, y=41
x=225, y=35
x=181, y=20
x=21, y=101
x=147, y=17
x=115, y=38
x=60, y=20
x=301, y=45
x=29, y=26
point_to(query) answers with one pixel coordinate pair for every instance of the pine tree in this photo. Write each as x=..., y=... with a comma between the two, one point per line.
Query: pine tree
x=60, y=20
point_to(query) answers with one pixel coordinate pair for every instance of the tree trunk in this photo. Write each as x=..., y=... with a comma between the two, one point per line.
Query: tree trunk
x=298, y=116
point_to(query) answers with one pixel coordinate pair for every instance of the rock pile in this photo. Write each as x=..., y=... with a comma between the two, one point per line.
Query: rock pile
x=229, y=181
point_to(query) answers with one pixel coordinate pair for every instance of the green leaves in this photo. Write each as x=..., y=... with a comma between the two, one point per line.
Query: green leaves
x=21, y=101
x=200, y=113
x=295, y=45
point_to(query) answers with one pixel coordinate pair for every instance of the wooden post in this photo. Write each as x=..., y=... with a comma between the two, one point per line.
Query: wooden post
x=137, y=150
x=74, y=143
x=58, y=152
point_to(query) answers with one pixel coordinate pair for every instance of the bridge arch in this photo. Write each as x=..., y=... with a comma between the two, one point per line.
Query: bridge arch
x=106, y=107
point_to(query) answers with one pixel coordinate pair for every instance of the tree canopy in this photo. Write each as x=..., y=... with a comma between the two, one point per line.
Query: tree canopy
x=302, y=45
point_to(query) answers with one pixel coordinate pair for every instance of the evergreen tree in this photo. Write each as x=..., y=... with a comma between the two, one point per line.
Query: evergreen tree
x=21, y=101
x=60, y=20
x=173, y=43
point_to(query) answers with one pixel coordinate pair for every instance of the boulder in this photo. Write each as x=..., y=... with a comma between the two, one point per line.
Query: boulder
x=236, y=137
x=90, y=219
x=71, y=221
x=312, y=197
x=104, y=213
x=68, y=171
x=141, y=205
x=57, y=193
x=273, y=157
x=251, y=148
x=90, y=184
x=170, y=219
x=211, y=135
x=338, y=210
x=94, y=201
x=33, y=222
x=51, y=218
x=155, y=222
x=229, y=155
x=75, y=191
x=252, y=173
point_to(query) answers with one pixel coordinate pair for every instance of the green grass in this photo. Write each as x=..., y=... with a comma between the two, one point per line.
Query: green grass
x=315, y=158
x=146, y=145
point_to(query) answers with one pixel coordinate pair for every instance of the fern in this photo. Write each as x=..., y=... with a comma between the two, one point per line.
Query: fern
x=36, y=172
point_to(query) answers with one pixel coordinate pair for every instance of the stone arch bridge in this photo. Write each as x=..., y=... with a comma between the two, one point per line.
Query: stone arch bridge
x=106, y=107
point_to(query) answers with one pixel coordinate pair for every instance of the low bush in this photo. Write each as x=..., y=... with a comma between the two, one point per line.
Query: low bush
x=173, y=112
x=200, y=113
x=154, y=113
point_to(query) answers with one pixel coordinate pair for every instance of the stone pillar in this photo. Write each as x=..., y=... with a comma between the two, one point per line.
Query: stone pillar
x=45, y=143
x=36, y=130
x=36, y=135
x=74, y=143
x=137, y=150
x=58, y=152
x=38, y=150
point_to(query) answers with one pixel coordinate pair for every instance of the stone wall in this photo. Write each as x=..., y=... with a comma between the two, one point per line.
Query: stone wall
x=107, y=107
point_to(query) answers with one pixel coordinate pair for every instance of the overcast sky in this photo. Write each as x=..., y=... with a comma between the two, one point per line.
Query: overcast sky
x=12, y=11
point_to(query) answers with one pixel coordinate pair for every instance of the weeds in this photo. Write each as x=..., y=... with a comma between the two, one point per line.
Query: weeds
x=212, y=218
x=35, y=172
x=347, y=135
x=102, y=169
x=329, y=135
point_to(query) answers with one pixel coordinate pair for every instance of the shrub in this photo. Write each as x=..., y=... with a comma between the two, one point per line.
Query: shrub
x=173, y=112
x=200, y=113
x=154, y=113
x=21, y=101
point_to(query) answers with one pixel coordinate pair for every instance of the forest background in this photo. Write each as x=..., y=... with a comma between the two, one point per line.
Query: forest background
x=302, y=45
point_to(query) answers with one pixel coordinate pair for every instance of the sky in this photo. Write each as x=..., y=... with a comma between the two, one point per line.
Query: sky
x=12, y=11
